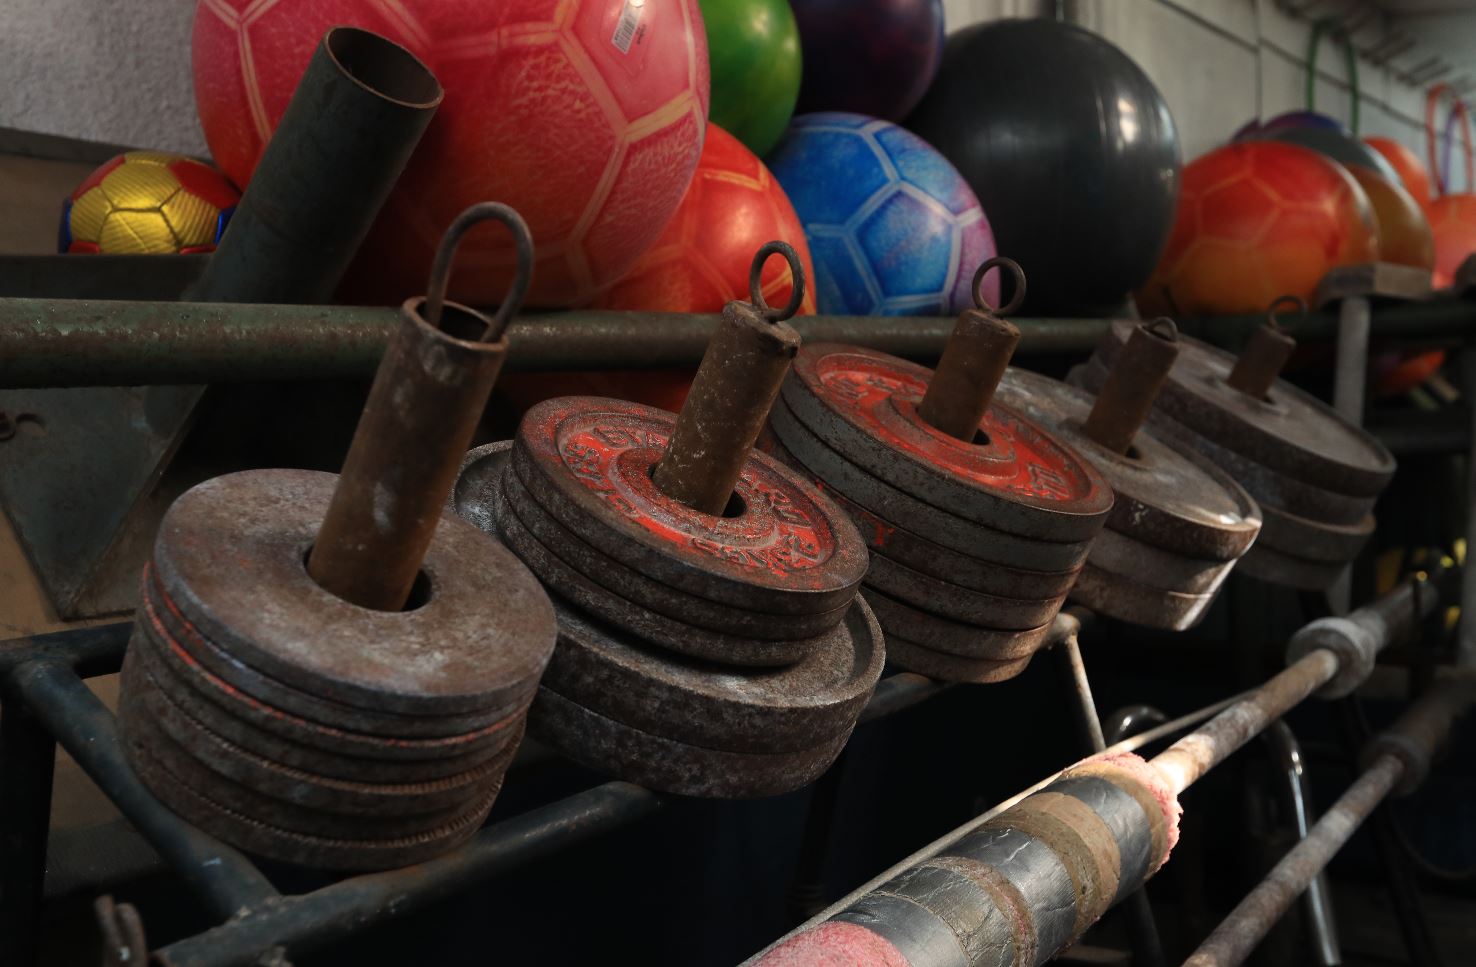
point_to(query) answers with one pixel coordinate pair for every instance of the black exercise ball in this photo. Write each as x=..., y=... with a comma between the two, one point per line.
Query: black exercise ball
x=1071, y=150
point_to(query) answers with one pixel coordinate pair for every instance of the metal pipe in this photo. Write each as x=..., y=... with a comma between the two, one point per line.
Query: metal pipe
x=308, y=922
x=1350, y=377
x=1261, y=361
x=226, y=880
x=732, y=393
x=97, y=650
x=1127, y=395
x=319, y=186
x=974, y=360
x=1143, y=929
x=428, y=396
x=1322, y=924
x=60, y=342
x=29, y=757
x=1234, y=939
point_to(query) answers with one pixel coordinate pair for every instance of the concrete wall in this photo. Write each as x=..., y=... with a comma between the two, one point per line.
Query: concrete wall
x=119, y=71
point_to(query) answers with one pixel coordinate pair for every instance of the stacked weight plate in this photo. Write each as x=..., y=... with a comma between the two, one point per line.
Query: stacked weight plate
x=1315, y=476
x=707, y=656
x=974, y=544
x=1178, y=525
x=298, y=726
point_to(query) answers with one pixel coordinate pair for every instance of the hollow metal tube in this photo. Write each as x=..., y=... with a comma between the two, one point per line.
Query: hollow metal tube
x=1131, y=387
x=1321, y=923
x=349, y=130
x=726, y=408
x=1260, y=363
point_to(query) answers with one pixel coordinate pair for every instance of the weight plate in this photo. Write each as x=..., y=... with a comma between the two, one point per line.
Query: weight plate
x=307, y=789
x=300, y=744
x=1177, y=501
x=143, y=730
x=666, y=765
x=921, y=554
x=231, y=552
x=1156, y=568
x=954, y=637
x=645, y=624
x=789, y=709
x=787, y=549
x=314, y=852
x=1268, y=487
x=838, y=475
x=661, y=598
x=951, y=668
x=1330, y=543
x=960, y=604
x=1017, y=477
x=188, y=646
x=1289, y=431
x=1274, y=567
x=1126, y=600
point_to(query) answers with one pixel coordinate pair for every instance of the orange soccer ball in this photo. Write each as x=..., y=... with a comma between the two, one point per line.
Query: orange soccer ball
x=1257, y=220
x=1453, y=220
x=1404, y=231
x=586, y=115
x=1404, y=161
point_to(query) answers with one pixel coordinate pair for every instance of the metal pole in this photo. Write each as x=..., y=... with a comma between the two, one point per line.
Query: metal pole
x=1132, y=385
x=1147, y=946
x=974, y=360
x=1235, y=938
x=27, y=760
x=1350, y=385
x=1321, y=922
x=227, y=882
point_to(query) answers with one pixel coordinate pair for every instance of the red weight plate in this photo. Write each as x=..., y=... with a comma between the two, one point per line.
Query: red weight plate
x=783, y=548
x=1015, y=476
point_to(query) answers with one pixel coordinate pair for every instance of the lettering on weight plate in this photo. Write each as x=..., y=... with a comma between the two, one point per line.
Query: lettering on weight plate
x=1047, y=482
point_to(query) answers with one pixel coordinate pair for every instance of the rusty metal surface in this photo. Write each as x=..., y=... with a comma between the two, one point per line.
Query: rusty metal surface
x=1119, y=554
x=641, y=590
x=951, y=668
x=730, y=397
x=1376, y=280
x=957, y=638
x=1166, y=498
x=787, y=548
x=667, y=765
x=789, y=709
x=839, y=475
x=1125, y=599
x=1013, y=475
x=1188, y=759
x=230, y=554
x=978, y=350
x=1239, y=934
x=1266, y=352
x=1417, y=735
x=949, y=600
x=1265, y=563
x=1317, y=541
x=1132, y=385
x=1289, y=430
x=427, y=398
x=725, y=647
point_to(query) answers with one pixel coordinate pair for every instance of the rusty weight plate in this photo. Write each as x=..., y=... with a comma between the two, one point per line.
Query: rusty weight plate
x=944, y=667
x=921, y=554
x=645, y=624
x=1288, y=570
x=971, y=538
x=143, y=730
x=1180, y=502
x=1316, y=541
x=667, y=765
x=231, y=554
x=1015, y=476
x=641, y=590
x=953, y=637
x=790, y=709
x=187, y=646
x=313, y=852
x=1268, y=487
x=1289, y=431
x=1122, y=598
x=785, y=549
x=301, y=744
x=1156, y=568
x=302, y=788
x=960, y=604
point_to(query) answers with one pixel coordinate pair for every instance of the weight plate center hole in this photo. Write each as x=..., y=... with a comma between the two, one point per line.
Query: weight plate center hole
x=736, y=506
x=421, y=591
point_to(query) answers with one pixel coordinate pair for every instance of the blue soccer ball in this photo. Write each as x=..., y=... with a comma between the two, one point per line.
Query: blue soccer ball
x=893, y=228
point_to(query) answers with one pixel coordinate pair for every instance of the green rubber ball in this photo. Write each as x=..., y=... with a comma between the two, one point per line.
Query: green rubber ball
x=754, y=49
